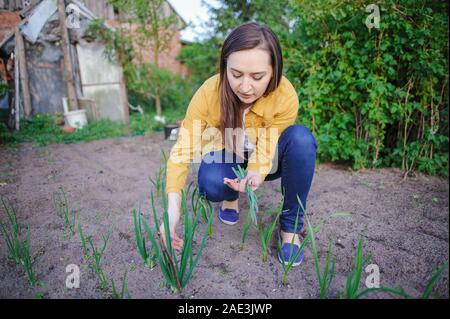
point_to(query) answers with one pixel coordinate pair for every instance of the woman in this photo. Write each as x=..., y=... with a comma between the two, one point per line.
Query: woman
x=245, y=116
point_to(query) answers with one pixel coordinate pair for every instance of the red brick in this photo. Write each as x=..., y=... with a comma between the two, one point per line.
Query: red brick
x=8, y=20
x=166, y=60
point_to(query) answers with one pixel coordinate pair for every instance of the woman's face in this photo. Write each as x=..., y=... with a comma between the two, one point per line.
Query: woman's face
x=249, y=73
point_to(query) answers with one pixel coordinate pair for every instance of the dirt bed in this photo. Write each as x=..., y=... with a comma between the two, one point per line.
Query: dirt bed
x=404, y=225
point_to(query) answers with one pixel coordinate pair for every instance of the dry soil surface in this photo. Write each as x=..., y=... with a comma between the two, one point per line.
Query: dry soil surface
x=404, y=224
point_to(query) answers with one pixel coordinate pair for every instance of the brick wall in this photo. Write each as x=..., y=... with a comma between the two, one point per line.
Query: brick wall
x=167, y=60
x=8, y=21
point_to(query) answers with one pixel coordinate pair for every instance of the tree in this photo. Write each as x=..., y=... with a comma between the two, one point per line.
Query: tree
x=372, y=96
x=203, y=57
x=151, y=25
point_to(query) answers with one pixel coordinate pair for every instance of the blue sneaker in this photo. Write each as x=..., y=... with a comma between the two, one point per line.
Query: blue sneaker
x=284, y=254
x=228, y=216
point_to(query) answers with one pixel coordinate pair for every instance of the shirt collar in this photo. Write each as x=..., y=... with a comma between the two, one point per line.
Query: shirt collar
x=258, y=108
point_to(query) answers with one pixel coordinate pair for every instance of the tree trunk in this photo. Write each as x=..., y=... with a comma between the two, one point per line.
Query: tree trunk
x=158, y=96
x=67, y=71
x=17, y=90
x=158, y=104
x=23, y=73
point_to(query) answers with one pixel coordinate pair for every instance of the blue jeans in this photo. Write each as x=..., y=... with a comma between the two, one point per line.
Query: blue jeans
x=296, y=150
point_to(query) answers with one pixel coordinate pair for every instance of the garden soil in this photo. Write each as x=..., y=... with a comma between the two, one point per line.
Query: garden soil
x=404, y=224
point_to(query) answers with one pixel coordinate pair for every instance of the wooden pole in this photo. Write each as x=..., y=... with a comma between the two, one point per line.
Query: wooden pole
x=16, y=88
x=124, y=97
x=67, y=70
x=23, y=73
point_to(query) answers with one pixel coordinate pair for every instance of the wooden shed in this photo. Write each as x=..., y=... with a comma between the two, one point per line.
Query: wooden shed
x=55, y=60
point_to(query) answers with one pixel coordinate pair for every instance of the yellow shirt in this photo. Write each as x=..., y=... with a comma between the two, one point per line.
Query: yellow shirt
x=198, y=135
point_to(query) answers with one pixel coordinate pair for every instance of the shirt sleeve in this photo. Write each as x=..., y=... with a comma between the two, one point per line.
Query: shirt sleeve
x=188, y=144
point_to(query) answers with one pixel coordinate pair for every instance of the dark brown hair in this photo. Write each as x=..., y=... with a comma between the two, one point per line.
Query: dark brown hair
x=246, y=36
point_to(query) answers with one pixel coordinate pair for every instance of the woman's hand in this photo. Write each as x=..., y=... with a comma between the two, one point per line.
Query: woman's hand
x=254, y=181
x=173, y=207
x=177, y=242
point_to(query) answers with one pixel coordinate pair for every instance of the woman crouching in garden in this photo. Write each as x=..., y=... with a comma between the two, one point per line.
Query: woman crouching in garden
x=245, y=116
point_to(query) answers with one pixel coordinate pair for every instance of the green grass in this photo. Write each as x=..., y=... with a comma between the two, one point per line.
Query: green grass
x=83, y=239
x=352, y=290
x=354, y=278
x=97, y=254
x=19, y=251
x=266, y=230
x=206, y=211
x=147, y=256
x=63, y=210
x=157, y=181
x=27, y=262
x=325, y=278
x=10, y=230
x=200, y=205
x=42, y=130
x=252, y=200
x=287, y=267
x=39, y=295
x=94, y=254
x=253, y=204
x=124, y=290
x=312, y=230
x=353, y=281
x=434, y=279
x=195, y=197
x=246, y=229
x=160, y=175
x=352, y=285
x=177, y=268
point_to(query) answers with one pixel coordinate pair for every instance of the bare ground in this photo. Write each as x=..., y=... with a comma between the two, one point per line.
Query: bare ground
x=405, y=225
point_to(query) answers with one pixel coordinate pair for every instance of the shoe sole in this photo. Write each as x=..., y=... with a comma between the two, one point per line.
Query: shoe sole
x=295, y=264
x=227, y=222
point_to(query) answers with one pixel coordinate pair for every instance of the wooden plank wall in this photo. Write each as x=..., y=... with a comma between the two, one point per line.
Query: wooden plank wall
x=16, y=5
x=100, y=8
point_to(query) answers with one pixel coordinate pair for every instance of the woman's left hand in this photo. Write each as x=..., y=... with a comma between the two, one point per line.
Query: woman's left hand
x=254, y=181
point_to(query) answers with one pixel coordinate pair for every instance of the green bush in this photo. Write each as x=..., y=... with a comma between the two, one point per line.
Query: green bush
x=374, y=97
x=175, y=91
x=3, y=88
x=202, y=59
